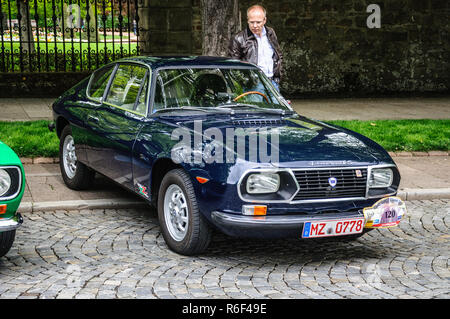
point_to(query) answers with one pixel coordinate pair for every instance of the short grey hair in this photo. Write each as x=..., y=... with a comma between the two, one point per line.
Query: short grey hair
x=256, y=6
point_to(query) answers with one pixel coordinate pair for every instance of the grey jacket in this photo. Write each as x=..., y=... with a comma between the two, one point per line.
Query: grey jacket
x=244, y=46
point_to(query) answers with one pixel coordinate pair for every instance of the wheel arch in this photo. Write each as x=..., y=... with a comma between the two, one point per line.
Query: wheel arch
x=61, y=122
x=159, y=169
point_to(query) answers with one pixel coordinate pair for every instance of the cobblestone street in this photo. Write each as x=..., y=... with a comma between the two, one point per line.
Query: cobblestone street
x=121, y=254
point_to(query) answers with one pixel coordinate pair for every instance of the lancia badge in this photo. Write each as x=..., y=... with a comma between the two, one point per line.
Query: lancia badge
x=332, y=181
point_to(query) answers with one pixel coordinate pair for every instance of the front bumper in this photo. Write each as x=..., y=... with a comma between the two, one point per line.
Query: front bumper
x=11, y=223
x=271, y=226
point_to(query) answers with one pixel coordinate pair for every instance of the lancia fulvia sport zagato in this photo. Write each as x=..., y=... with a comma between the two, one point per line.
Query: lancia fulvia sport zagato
x=212, y=145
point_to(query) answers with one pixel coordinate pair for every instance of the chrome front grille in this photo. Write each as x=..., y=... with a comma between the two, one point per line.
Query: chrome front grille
x=314, y=184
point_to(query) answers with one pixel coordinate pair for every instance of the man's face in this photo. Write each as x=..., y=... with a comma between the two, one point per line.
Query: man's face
x=256, y=20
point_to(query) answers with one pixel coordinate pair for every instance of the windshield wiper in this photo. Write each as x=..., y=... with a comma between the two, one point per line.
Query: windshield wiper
x=273, y=111
x=193, y=108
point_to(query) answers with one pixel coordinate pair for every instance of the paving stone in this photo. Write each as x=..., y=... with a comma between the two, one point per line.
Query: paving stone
x=113, y=253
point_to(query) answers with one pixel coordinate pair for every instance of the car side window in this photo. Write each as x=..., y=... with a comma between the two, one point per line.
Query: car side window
x=126, y=86
x=99, y=82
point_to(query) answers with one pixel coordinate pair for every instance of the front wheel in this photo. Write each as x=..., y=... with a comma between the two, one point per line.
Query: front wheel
x=75, y=174
x=6, y=241
x=183, y=227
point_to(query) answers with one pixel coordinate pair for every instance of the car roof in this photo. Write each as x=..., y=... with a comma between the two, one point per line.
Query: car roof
x=156, y=62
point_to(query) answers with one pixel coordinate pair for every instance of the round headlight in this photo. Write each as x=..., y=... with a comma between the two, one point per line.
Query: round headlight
x=381, y=177
x=5, y=182
x=263, y=183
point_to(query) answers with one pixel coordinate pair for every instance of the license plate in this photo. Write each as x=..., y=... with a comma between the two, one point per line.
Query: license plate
x=335, y=227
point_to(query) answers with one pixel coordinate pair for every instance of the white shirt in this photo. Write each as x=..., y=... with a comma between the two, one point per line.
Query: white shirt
x=265, y=53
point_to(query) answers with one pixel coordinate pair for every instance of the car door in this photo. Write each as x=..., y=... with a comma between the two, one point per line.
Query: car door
x=83, y=109
x=118, y=120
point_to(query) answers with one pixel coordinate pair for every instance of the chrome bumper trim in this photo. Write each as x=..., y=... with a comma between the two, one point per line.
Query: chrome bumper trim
x=274, y=221
x=11, y=223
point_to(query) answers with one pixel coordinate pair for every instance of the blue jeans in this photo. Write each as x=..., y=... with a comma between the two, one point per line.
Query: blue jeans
x=275, y=84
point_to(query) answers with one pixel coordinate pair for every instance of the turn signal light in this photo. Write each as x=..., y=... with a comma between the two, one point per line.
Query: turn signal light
x=254, y=210
x=2, y=209
x=202, y=180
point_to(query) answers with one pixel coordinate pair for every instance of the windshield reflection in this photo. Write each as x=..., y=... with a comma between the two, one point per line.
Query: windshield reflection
x=215, y=87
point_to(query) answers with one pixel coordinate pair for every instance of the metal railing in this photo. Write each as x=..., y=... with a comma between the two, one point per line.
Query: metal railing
x=66, y=35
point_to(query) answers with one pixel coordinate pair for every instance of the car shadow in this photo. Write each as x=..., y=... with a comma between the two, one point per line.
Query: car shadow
x=296, y=250
x=224, y=247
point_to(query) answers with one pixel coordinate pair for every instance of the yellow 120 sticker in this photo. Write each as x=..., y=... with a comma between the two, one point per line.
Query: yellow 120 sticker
x=387, y=212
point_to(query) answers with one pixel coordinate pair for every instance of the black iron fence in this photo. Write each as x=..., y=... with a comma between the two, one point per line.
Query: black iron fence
x=66, y=35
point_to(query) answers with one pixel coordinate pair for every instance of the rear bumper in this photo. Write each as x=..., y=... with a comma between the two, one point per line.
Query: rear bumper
x=11, y=223
x=271, y=226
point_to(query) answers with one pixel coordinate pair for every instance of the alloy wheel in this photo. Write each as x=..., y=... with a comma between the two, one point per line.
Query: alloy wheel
x=176, y=212
x=69, y=157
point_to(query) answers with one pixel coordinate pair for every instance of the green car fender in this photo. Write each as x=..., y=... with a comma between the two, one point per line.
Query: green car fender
x=9, y=159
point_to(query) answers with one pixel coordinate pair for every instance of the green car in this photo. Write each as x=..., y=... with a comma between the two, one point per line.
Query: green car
x=12, y=186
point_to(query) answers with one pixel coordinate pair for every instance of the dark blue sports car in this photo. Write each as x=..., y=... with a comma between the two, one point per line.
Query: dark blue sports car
x=212, y=144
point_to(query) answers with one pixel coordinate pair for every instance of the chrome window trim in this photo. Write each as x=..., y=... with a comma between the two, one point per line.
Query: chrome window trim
x=250, y=66
x=111, y=79
x=88, y=87
x=306, y=201
x=20, y=183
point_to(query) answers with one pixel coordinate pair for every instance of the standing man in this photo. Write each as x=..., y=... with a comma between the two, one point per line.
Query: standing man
x=258, y=44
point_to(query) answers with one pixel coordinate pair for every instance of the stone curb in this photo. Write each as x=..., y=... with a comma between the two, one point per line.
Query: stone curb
x=424, y=194
x=55, y=160
x=29, y=207
x=39, y=160
x=419, y=154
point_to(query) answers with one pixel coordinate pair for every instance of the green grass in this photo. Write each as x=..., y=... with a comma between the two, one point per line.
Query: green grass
x=75, y=58
x=30, y=139
x=67, y=46
x=404, y=135
x=33, y=139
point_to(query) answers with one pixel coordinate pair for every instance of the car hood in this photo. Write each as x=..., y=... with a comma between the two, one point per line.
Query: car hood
x=298, y=141
x=8, y=156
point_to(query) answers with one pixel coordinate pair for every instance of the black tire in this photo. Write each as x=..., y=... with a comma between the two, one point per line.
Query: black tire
x=6, y=241
x=198, y=233
x=83, y=176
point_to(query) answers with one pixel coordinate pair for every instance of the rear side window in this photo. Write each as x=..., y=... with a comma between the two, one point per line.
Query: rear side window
x=126, y=86
x=99, y=82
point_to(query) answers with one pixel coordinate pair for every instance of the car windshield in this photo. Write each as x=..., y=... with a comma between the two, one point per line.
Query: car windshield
x=195, y=88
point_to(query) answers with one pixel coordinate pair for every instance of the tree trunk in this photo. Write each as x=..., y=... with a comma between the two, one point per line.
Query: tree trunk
x=3, y=23
x=26, y=32
x=220, y=21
